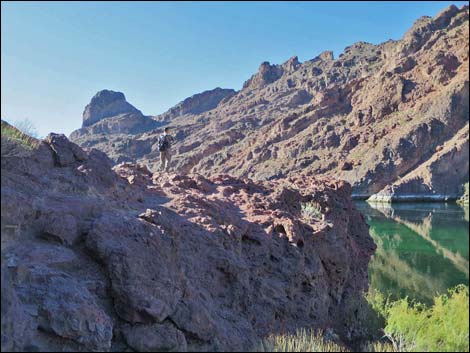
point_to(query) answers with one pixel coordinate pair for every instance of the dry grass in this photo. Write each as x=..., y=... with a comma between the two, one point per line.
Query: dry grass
x=302, y=341
x=10, y=134
x=313, y=341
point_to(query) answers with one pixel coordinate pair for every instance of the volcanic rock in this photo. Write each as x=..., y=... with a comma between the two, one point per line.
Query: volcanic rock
x=142, y=261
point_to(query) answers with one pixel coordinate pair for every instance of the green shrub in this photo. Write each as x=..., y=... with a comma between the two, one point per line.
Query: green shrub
x=311, y=211
x=441, y=327
x=410, y=326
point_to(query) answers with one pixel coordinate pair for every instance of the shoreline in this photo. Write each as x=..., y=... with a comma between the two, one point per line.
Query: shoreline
x=407, y=198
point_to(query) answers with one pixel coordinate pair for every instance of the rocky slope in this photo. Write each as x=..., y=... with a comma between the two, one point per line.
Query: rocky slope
x=96, y=258
x=433, y=179
x=370, y=117
x=199, y=103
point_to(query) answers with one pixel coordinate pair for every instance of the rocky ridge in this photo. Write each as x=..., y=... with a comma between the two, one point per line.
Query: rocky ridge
x=198, y=103
x=103, y=258
x=370, y=117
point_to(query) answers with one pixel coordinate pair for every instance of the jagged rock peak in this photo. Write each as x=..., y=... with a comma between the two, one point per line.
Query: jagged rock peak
x=105, y=104
x=326, y=55
x=443, y=18
x=266, y=74
x=292, y=64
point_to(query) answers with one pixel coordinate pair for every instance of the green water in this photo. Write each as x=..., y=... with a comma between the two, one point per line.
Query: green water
x=422, y=249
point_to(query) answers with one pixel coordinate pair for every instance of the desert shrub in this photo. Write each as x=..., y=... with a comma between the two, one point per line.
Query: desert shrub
x=442, y=327
x=410, y=326
x=311, y=211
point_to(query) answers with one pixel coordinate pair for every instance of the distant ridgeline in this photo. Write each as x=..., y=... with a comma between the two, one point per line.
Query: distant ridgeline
x=391, y=119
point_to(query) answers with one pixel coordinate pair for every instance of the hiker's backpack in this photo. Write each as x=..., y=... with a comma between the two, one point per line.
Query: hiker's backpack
x=163, y=143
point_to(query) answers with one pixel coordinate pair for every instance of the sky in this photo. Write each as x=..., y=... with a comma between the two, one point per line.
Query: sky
x=55, y=56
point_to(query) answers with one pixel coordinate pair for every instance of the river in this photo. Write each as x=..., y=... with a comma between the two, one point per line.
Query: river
x=422, y=248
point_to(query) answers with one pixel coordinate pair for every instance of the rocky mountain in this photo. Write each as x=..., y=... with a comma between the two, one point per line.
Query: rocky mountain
x=372, y=117
x=199, y=103
x=107, y=104
x=102, y=258
x=109, y=114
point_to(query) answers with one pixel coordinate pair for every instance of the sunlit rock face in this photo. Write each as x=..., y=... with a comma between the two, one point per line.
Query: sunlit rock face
x=370, y=117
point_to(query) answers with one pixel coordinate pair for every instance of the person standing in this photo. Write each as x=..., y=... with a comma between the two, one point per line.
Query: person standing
x=164, y=146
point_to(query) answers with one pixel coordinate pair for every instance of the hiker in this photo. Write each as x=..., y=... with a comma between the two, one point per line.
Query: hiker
x=164, y=146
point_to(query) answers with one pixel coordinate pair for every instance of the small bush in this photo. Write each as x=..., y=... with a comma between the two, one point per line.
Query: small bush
x=311, y=211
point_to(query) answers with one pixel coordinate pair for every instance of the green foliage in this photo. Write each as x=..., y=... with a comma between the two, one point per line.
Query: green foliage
x=379, y=303
x=415, y=327
x=411, y=327
x=311, y=211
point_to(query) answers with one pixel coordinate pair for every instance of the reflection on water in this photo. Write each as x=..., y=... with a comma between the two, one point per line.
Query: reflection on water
x=422, y=249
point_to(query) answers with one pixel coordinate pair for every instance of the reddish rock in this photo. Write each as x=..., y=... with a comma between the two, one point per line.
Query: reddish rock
x=205, y=264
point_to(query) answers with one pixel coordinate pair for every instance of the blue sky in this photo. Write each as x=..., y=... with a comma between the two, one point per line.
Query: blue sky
x=56, y=55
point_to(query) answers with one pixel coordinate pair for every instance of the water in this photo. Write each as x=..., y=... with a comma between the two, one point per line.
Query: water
x=422, y=249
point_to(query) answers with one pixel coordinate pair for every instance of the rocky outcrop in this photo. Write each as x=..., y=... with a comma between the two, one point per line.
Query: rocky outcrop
x=370, y=117
x=112, y=118
x=106, y=104
x=96, y=258
x=266, y=74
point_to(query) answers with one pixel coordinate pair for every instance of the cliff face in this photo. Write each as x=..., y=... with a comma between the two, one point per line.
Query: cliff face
x=102, y=258
x=370, y=117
